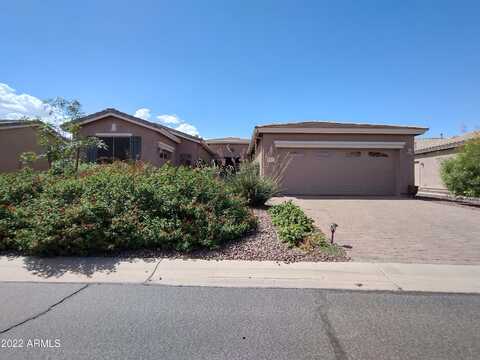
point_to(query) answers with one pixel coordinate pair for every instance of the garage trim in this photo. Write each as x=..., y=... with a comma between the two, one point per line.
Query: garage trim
x=340, y=144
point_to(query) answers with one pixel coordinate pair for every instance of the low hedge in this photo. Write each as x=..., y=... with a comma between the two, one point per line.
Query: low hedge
x=297, y=229
x=292, y=224
x=115, y=207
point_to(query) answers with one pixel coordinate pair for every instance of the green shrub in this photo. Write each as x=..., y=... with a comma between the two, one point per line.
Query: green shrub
x=66, y=167
x=461, y=174
x=292, y=223
x=249, y=184
x=116, y=207
x=16, y=188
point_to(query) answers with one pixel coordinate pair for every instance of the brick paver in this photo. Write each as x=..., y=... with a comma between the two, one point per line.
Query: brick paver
x=399, y=230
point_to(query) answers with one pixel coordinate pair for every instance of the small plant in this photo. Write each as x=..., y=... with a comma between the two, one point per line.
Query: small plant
x=317, y=239
x=62, y=143
x=461, y=174
x=297, y=229
x=28, y=158
x=292, y=223
x=249, y=184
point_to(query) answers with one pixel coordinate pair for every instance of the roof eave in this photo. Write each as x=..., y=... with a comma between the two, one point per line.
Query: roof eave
x=440, y=147
x=89, y=118
x=341, y=130
x=251, y=145
x=219, y=142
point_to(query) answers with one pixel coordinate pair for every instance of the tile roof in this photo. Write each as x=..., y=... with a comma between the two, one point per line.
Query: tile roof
x=16, y=123
x=171, y=131
x=425, y=145
x=415, y=130
x=335, y=124
x=228, y=139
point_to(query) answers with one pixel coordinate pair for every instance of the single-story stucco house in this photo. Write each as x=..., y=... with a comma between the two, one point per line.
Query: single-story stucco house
x=16, y=138
x=129, y=137
x=329, y=158
x=429, y=154
x=229, y=150
x=306, y=158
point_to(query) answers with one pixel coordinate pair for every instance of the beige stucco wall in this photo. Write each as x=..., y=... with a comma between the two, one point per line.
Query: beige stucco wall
x=404, y=158
x=193, y=148
x=14, y=142
x=150, y=139
x=258, y=154
x=204, y=155
x=238, y=150
x=427, y=169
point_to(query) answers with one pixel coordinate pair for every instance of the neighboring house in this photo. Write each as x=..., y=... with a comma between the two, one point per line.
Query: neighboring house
x=16, y=138
x=429, y=154
x=128, y=137
x=328, y=158
x=229, y=150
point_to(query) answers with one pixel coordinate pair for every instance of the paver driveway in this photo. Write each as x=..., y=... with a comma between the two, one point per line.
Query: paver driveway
x=399, y=230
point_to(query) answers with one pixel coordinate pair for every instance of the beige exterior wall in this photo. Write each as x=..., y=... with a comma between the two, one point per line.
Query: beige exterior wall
x=403, y=159
x=427, y=169
x=237, y=150
x=150, y=139
x=204, y=155
x=194, y=149
x=259, y=158
x=14, y=142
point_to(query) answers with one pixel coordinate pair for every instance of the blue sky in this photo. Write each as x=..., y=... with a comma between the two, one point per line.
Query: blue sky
x=225, y=66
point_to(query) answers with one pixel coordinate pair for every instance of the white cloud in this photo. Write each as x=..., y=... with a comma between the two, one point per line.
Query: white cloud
x=173, y=119
x=143, y=113
x=15, y=106
x=188, y=129
x=169, y=119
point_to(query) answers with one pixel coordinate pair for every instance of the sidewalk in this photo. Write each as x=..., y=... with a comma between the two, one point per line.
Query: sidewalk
x=348, y=275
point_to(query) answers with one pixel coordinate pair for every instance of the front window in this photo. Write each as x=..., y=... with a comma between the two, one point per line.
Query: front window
x=165, y=155
x=118, y=148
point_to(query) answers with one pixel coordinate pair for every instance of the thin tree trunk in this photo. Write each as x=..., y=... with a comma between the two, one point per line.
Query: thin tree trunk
x=77, y=160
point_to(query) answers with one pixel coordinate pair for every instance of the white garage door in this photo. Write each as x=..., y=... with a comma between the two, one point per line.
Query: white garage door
x=338, y=172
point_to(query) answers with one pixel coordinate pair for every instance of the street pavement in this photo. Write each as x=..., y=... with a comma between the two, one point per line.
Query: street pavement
x=139, y=321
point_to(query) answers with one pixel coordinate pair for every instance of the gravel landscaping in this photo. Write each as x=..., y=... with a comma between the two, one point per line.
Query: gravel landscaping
x=262, y=244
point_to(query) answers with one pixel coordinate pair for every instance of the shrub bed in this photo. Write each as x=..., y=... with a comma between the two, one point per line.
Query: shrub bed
x=116, y=207
x=297, y=229
x=292, y=223
x=249, y=184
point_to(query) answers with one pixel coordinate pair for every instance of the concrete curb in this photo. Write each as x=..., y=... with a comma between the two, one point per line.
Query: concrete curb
x=76, y=270
x=233, y=273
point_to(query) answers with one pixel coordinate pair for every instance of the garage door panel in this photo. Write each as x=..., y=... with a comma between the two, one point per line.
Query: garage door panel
x=338, y=172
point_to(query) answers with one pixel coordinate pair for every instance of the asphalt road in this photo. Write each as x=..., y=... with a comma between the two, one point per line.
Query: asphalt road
x=61, y=321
